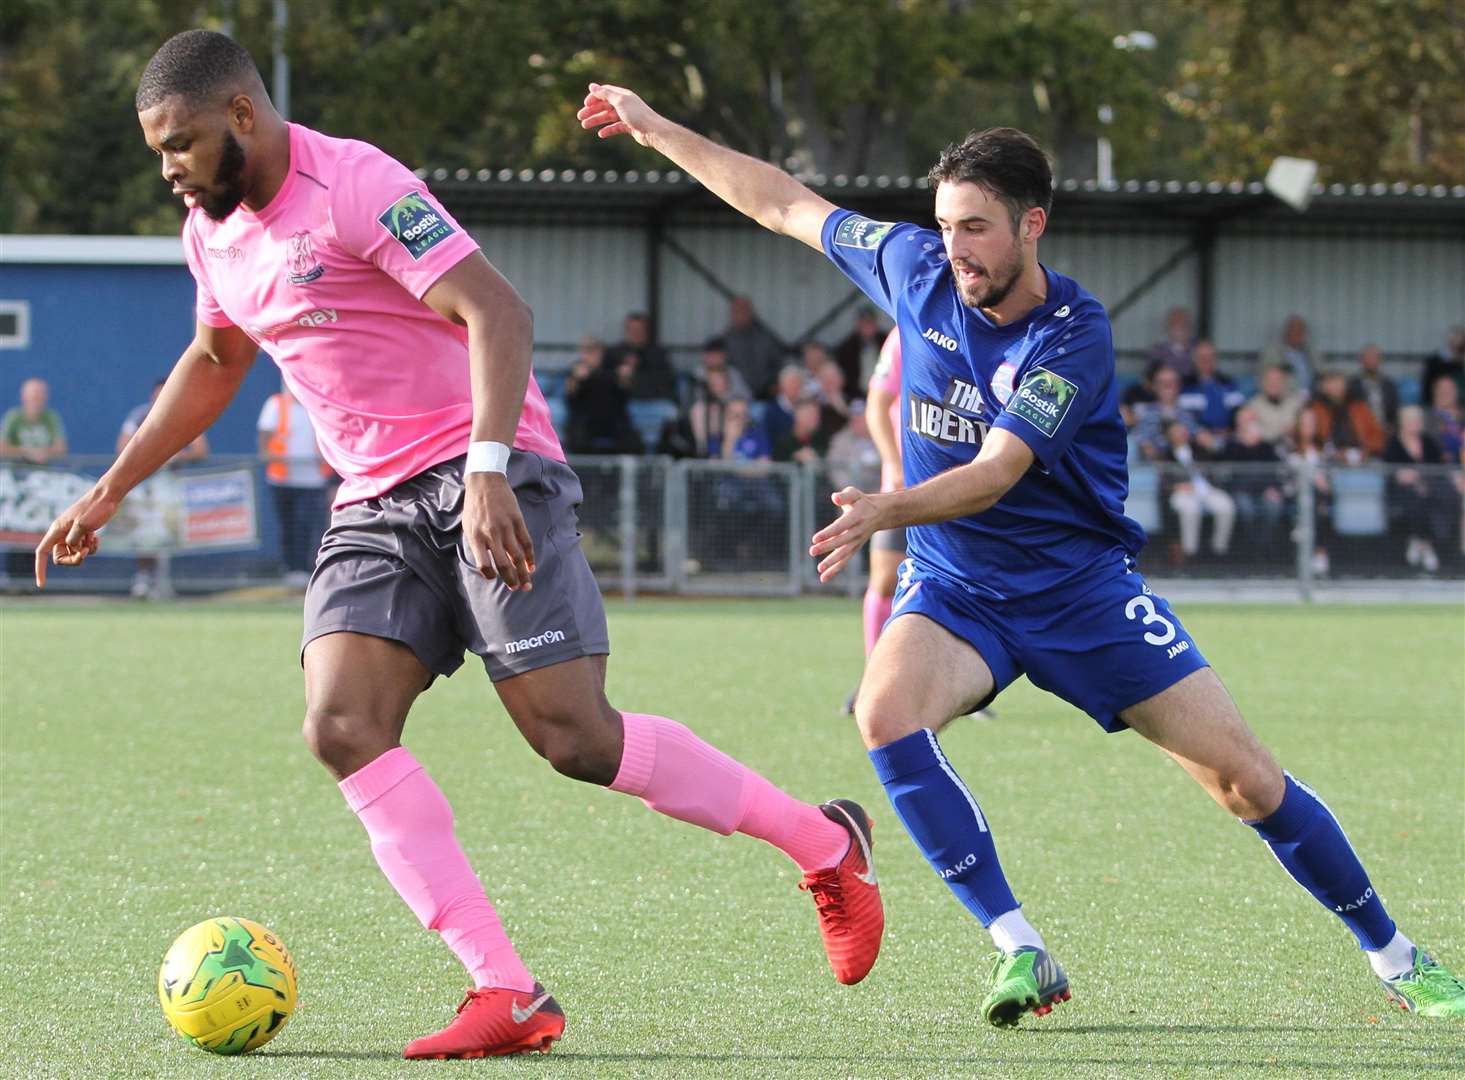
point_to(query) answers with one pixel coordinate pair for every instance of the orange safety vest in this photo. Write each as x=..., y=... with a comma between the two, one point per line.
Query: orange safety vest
x=278, y=444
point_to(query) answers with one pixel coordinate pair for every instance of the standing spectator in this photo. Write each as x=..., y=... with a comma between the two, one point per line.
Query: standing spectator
x=858, y=353
x=1176, y=350
x=1447, y=363
x=298, y=479
x=751, y=347
x=1151, y=431
x=599, y=397
x=1444, y=418
x=1276, y=406
x=1259, y=485
x=1376, y=388
x=1425, y=498
x=32, y=430
x=778, y=418
x=1293, y=351
x=1345, y=424
x=645, y=369
x=1314, y=455
x=1192, y=495
x=806, y=441
x=1210, y=395
x=853, y=458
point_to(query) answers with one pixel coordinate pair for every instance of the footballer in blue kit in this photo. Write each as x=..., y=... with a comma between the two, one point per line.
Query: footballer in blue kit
x=1021, y=559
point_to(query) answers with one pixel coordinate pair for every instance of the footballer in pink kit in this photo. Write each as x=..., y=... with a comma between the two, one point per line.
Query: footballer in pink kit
x=455, y=529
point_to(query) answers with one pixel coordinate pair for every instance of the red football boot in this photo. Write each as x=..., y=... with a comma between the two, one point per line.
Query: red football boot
x=492, y=1022
x=851, y=916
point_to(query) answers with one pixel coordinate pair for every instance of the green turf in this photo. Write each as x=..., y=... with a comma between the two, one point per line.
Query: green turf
x=153, y=775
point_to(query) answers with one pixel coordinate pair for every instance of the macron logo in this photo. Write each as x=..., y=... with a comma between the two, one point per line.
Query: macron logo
x=549, y=637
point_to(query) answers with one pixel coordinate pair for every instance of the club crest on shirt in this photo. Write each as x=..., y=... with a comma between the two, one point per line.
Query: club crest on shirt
x=301, y=265
x=416, y=224
x=1002, y=381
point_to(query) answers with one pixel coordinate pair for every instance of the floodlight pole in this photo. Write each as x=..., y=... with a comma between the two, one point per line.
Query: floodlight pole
x=281, y=61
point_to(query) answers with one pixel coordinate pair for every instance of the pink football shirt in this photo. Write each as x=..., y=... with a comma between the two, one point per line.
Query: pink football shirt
x=328, y=279
x=887, y=378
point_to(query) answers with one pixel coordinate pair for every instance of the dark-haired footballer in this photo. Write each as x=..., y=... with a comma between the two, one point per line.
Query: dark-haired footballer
x=1021, y=558
x=455, y=526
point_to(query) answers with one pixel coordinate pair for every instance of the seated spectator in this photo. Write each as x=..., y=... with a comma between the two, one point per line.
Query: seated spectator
x=751, y=347
x=1151, y=432
x=778, y=418
x=858, y=353
x=1443, y=421
x=645, y=364
x=853, y=458
x=1276, y=406
x=1176, y=349
x=1293, y=351
x=1259, y=486
x=1446, y=363
x=1209, y=395
x=1192, y=495
x=707, y=412
x=740, y=439
x=715, y=358
x=806, y=441
x=1376, y=388
x=599, y=397
x=1346, y=425
x=1137, y=394
x=814, y=356
x=32, y=430
x=834, y=408
x=1313, y=454
x=1425, y=499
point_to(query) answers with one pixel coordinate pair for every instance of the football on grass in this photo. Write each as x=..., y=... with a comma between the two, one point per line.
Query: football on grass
x=227, y=985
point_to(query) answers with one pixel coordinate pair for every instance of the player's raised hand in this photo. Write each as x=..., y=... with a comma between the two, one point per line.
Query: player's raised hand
x=494, y=530
x=617, y=111
x=838, y=541
x=73, y=535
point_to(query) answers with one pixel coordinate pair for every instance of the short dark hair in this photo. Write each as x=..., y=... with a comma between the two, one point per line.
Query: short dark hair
x=1003, y=161
x=196, y=64
x=715, y=344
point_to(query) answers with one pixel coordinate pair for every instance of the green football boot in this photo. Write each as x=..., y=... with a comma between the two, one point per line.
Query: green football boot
x=1427, y=988
x=1028, y=980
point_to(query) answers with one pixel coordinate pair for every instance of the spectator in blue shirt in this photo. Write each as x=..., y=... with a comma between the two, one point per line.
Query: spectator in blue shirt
x=1155, y=418
x=1208, y=394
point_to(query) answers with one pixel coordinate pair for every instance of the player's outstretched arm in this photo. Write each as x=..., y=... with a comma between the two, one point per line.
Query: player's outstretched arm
x=959, y=492
x=203, y=382
x=763, y=192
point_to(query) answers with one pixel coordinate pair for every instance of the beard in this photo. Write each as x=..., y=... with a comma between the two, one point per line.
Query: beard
x=997, y=285
x=228, y=180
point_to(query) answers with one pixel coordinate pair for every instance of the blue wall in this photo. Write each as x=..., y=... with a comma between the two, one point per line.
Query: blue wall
x=101, y=335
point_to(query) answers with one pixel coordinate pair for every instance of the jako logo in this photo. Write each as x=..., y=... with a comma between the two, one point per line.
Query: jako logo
x=965, y=864
x=938, y=338
x=1355, y=905
x=549, y=637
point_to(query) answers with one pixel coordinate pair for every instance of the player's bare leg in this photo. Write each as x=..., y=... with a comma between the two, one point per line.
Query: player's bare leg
x=919, y=677
x=1196, y=723
x=563, y=713
x=358, y=690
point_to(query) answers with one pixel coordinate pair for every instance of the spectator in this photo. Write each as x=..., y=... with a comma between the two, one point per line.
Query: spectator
x=706, y=415
x=1346, y=425
x=778, y=418
x=1176, y=350
x=1448, y=362
x=814, y=356
x=643, y=365
x=1425, y=498
x=1293, y=351
x=1313, y=455
x=32, y=430
x=1444, y=418
x=806, y=441
x=1210, y=396
x=1276, y=406
x=1258, y=487
x=834, y=407
x=1151, y=432
x=599, y=398
x=1376, y=388
x=740, y=439
x=752, y=349
x=715, y=358
x=298, y=479
x=858, y=353
x=852, y=457
x=1192, y=495
x=1137, y=395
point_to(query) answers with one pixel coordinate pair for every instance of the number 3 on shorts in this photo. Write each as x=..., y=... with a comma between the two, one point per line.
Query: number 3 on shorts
x=1144, y=604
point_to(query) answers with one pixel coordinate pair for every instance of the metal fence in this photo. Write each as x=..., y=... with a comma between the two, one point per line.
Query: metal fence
x=712, y=527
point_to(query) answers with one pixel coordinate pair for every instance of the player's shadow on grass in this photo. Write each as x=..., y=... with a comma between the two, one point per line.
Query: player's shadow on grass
x=341, y=1055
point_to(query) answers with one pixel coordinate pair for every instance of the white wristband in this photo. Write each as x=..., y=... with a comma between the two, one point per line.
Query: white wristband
x=487, y=457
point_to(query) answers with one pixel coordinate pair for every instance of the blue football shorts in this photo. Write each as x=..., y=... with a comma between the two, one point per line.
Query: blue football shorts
x=1102, y=641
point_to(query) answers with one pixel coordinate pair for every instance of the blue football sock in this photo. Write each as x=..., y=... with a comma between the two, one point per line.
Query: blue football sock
x=945, y=822
x=1310, y=845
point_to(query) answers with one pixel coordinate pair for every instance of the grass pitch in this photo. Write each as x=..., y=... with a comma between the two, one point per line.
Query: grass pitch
x=153, y=775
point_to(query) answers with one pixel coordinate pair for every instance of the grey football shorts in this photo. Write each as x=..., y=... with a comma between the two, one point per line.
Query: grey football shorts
x=888, y=540
x=396, y=567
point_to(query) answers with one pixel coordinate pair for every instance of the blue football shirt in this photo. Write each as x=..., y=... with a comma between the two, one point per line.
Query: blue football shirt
x=1047, y=378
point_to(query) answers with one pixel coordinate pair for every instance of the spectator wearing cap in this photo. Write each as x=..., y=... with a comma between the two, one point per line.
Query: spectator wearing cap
x=1275, y=406
x=859, y=352
x=751, y=347
x=32, y=430
x=1175, y=349
x=1293, y=350
x=1370, y=384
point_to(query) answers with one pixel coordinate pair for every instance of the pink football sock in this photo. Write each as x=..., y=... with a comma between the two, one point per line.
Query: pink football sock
x=877, y=610
x=411, y=828
x=677, y=774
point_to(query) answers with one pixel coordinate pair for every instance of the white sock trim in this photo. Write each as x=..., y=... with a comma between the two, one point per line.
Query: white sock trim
x=1394, y=959
x=1011, y=931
